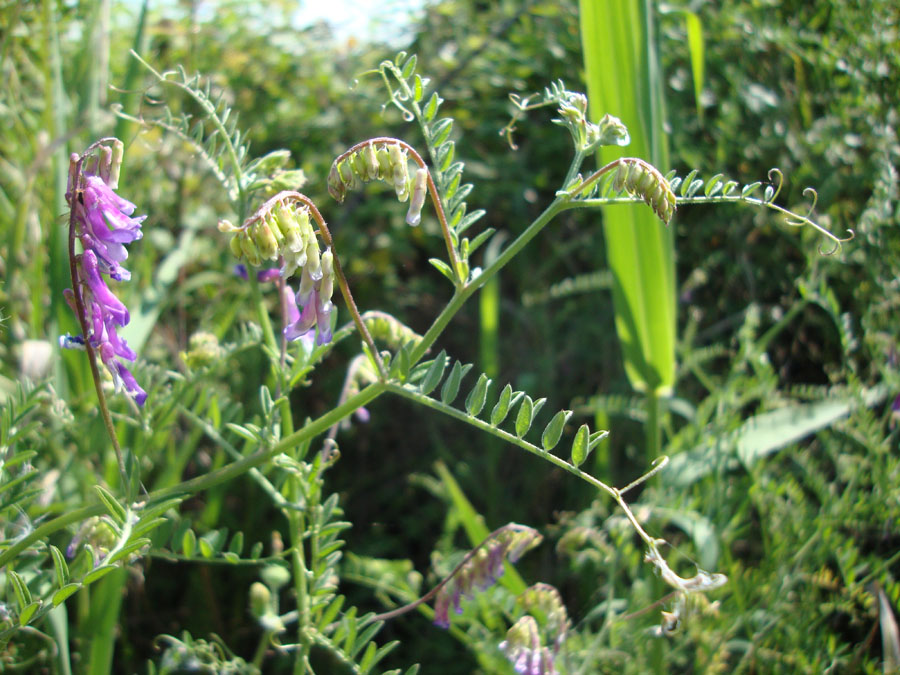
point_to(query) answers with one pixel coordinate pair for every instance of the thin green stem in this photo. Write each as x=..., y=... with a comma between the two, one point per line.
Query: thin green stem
x=653, y=427
x=296, y=522
x=615, y=493
x=464, y=292
x=210, y=109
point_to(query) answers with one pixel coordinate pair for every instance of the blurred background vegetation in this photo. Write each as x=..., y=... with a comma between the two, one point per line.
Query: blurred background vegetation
x=807, y=530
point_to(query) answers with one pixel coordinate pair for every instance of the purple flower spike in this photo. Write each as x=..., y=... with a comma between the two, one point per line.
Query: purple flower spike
x=102, y=222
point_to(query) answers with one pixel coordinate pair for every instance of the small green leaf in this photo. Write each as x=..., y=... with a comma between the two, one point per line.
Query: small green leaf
x=435, y=373
x=23, y=595
x=480, y=239
x=128, y=550
x=418, y=88
x=26, y=614
x=59, y=564
x=553, y=430
x=525, y=416
x=476, y=399
x=243, y=432
x=713, y=185
x=206, y=549
x=188, y=544
x=113, y=507
x=409, y=67
x=432, y=106
x=400, y=363
x=368, y=658
x=237, y=543
x=687, y=182
x=441, y=130
x=595, y=438
x=748, y=190
x=60, y=596
x=445, y=156
x=97, y=573
x=451, y=386
x=580, y=448
x=256, y=550
x=501, y=408
x=443, y=268
x=329, y=614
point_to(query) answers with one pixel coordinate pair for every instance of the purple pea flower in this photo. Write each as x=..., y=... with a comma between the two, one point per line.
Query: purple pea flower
x=314, y=296
x=103, y=224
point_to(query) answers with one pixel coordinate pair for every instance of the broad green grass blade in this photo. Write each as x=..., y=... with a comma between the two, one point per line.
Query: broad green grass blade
x=623, y=79
x=694, y=31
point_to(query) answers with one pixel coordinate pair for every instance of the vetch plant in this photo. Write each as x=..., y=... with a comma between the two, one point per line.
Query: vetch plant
x=283, y=240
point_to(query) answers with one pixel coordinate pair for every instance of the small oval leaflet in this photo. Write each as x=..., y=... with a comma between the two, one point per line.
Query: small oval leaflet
x=451, y=386
x=60, y=596
x=553, y=430
x=501, y=408
x=525, y=416
x=580, y=447
x=29, y=612
x=478, y=396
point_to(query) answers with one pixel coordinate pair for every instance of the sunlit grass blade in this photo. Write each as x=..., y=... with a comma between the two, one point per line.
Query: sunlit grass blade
x=623, y=79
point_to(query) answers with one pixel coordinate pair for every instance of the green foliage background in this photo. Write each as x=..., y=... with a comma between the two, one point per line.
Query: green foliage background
x=806, y=531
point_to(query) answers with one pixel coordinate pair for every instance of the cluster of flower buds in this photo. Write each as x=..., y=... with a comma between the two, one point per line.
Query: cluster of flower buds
x=573, y=111
x=385, y=161
x=522, y=647
x=637, y=177
x=282, y=229
x=483, y=568
x=103, y=224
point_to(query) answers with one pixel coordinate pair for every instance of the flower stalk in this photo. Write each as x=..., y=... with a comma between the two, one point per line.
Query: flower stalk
x=101, y=221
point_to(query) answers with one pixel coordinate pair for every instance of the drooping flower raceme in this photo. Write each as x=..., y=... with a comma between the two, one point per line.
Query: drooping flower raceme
x=281, y=230
x=103, y=223
x=482, y=568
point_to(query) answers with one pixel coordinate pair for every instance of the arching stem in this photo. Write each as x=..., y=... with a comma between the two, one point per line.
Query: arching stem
x=432, y=191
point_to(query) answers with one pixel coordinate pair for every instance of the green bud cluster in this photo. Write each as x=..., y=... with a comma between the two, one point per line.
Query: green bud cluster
x=284, y=230
x=637, y=177
x=388, y=162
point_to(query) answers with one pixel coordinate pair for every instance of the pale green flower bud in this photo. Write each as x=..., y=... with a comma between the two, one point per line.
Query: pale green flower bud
x=290, y=228
x=326, y=290
x=385, y=168
x=358, y=165
x=336, y=187
x=274, y=229
x=313, y=262
x=260, y=597
x=264, y=240
x=400, y=173
x=275, y=576
x=249, y=249
x=235, y=245
x=370, y=160
x=118, y=150
x=348, y=176
x=417, y=201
